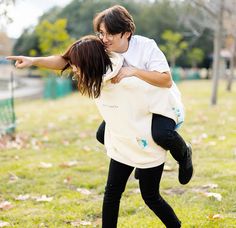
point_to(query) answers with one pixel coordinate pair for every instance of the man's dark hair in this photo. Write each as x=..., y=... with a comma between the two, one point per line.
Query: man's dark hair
x=116, y=20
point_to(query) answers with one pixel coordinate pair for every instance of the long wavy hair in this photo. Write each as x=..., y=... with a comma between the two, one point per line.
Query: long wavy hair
x=90, y=57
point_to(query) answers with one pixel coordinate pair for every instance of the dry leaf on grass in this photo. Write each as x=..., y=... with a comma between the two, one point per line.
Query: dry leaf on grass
x=68, y=164
x=22, y=197
x=168, y=168
x=45, y=165
x=216, y=216
x=83, y=191
x=4, y=224
x=86, y=148
x=216, y=196
x=210, y=185
x=13, y=178
x=43, y=198
x=5, y=205
x=79, y=223
x=67, y=180
x=221, y=137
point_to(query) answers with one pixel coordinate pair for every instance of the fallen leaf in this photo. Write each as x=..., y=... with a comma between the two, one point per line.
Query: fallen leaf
x=45, y=165
x=216, y=196
x=203, y=135
x=4, y=224
x=5, y=205
x=83, y=191
x=22, y=197
x=43, y=198
x=86, y=148
x=80, y=222
x=13, y=177
x=216, y=216
x=67, y=180
x=212, y=143
x=68, y=164
x=221, y=138
x=210, y=185
x=43, y=225
x=168, y=168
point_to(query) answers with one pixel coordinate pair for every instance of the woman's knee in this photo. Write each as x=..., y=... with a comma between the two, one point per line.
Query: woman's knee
x=113, y=192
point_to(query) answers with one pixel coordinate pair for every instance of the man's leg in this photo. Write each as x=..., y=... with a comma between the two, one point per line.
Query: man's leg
x=116, y=182
x=164, y=134
x=101, y=132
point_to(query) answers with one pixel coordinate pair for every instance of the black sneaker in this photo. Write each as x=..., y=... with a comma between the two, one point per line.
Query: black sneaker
x=186, y=167
x=136, y=173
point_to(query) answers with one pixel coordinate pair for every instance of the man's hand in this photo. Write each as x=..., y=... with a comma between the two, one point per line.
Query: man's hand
x=124, y=72
x=21, y=61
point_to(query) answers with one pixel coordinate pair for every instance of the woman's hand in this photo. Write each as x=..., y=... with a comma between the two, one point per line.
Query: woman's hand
x=21, y=61
x=124, y=72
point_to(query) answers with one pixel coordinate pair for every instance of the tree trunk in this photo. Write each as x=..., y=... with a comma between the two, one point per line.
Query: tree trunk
x=216, y=58
x=231, y=76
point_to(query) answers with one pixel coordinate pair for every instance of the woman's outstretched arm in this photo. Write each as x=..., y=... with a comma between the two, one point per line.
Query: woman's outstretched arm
x=54, y=62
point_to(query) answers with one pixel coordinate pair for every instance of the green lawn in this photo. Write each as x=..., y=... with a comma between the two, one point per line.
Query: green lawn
x=55, y=154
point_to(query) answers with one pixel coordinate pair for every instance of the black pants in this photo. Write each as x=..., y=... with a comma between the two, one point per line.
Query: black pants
x=149, y=181
x=163, y=133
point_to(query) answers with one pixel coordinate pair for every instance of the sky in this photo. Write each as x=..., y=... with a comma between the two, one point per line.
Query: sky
x=26, y=13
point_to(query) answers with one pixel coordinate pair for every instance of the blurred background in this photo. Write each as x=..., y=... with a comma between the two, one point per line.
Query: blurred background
x=192, y=34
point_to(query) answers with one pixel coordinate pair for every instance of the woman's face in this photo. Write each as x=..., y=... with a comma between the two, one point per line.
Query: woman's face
x=75, y=70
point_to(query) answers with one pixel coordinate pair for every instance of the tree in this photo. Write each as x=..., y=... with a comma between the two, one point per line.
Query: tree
x=212, y=14
x=4, y=14
x=53, y=37
x=174, y=46
x=195, y=56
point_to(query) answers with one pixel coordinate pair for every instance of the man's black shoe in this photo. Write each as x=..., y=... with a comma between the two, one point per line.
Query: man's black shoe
x=186, y=167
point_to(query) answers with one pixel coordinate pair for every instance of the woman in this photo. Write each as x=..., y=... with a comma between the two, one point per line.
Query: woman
x=128, y=117
x=127, y=109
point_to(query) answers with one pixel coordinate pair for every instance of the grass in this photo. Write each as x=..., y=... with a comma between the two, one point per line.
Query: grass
x=61, y=131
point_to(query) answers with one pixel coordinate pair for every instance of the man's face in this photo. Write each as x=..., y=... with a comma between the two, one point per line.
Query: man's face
x=116, y=43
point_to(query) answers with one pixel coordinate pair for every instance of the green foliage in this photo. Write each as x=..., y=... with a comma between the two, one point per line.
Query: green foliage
x=53, y=37
x=152, y=18
x=174, y=46
x=195, y=56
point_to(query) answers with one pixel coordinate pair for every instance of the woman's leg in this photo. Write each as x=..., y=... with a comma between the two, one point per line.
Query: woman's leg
x=100, y=132
x=116, y=182
x=149, y=182
x=164, y=134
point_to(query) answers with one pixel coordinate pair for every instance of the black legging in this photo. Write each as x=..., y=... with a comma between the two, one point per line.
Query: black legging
x=149, y=181
x=163, y=133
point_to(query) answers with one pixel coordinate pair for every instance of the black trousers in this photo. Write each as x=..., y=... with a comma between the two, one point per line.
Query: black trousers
x=163, y=133
x=149, y=182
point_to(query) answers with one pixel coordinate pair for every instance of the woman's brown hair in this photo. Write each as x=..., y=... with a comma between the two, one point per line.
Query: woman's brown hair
x=88, y=54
